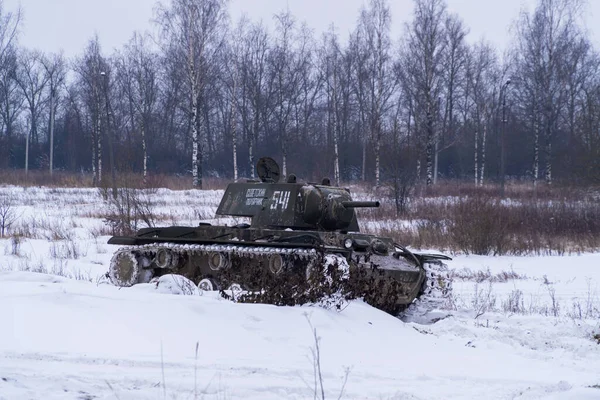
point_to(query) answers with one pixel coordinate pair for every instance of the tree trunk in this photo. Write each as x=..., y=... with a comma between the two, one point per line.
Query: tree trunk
x=476, y=157
x=377, y=156
x=429, y=148
x=364, y=159
x=27, y=152
x=483, y=145
x=234, y=146
x=94, y=157
x=283, y=157
x=548, y=155
x=99, y=146
x=208, y=134
x=144, y=147
x=252, y=141
x=336, y=151
x=536, y=151
x=233, y=127
x=435, y=159
x=51, y=130
x=195, y=153
x=364, y=149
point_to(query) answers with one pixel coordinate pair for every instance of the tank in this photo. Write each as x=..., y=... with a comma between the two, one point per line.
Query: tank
x=302, y=245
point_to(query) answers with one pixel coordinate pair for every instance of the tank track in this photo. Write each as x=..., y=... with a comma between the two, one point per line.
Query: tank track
x=151, y=249
x=143, y=256
x=138, y=264
x=435, y=295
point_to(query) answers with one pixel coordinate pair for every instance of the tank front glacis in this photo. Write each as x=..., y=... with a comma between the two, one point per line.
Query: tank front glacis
x=294, y=228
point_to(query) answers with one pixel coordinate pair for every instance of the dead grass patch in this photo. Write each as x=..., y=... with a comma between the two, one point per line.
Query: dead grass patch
x=466, y=274
x=478, y=221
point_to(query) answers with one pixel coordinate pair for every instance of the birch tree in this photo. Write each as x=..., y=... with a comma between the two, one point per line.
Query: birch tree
x=10, y=23
x=32, y=79
x=255, y=90
x=55, y=68
x=422, y=64
x=138, y=74
x=193, y=31
x=330, y=61
x=233, y=59
x=11, y=102
x=374, y=23
x=484, y=78
x=454, y=81
x=544, y=40
x=90, y=80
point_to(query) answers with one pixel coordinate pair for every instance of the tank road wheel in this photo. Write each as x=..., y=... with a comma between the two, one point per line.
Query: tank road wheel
x=124, y=269
x=165, y=258
x=236, y=287
x=216, y=260
x=276, y=263
x=236, y=290
x=208, y=285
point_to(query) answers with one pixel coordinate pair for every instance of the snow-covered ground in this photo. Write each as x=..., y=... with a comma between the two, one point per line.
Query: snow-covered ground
x=518, y=327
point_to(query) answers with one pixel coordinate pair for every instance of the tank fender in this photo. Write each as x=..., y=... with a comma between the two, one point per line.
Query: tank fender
x=123, y=240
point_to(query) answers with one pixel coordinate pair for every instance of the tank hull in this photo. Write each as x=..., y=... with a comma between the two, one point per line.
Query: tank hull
x=274, y=266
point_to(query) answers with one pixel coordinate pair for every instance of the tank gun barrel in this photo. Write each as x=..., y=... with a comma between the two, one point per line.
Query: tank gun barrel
x=360, y=204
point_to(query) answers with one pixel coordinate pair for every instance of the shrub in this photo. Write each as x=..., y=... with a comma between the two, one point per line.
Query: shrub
x=128, y=210
x=477, y=220
x=480, y=225
x=7, y=214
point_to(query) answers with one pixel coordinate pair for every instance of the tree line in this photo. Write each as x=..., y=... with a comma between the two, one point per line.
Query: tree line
x=206, y=96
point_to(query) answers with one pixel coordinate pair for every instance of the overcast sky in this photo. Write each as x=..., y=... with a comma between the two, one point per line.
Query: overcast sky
x=54, y=25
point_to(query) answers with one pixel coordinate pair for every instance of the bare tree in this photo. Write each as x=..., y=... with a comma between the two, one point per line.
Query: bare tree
x=91, y=82
x=10, y=23
x=544, y=40
x=330, y=63
x=12, y=100
x=233, y=97
x=194, y=31
x=289, y=58
x=55, y=68
x=283, y=70
x=376, y=70
x=32, y=80
x=254, y=87
x=423, y=69
x=454, y=81
x=137, y=71
x=309, y=83
x=484, y=77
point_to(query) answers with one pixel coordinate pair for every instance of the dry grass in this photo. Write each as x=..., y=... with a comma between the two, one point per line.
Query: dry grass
x=43, y=178
x=62, y=179
x=476, y=220
x=479, y=276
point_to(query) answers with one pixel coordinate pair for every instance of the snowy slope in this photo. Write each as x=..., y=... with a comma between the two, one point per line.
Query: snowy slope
x=63, y=338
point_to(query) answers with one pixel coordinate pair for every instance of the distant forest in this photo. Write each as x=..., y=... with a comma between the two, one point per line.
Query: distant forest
x=207, y=96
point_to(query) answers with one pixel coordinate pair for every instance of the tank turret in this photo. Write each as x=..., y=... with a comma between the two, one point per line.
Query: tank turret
x=291, y=205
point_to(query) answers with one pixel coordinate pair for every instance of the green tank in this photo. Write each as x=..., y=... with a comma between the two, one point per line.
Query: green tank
x=302, y=245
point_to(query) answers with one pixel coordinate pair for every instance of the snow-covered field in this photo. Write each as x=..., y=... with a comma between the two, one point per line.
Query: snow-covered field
x=518, y=327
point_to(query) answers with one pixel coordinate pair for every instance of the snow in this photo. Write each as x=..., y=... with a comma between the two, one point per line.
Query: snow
x=64, y=334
